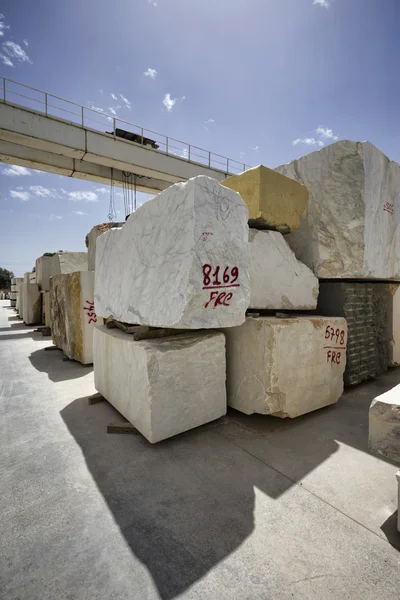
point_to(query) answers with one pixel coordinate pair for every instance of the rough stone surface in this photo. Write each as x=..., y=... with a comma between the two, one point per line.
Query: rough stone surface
x=384, y=425
x=31, y=303
x=274, y=201
x=351, y=227
x=394, y=288
x=162, y=386
x=91, y=241
x=72, y=314
x=20, y=302
x=398, y=501
x=58, y=264
x=367, y=308
x=46, y=309
x=285, y=367
x=181, y=260
x=277, y=279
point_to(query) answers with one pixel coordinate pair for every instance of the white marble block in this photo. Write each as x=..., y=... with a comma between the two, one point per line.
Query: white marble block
x=351, y=226
x=73, y=316
x=181, y=260
x=59, y=264
x=31, y=303
x=162, y=386
x=277, y=279
x=91, y=241
x=285, y=367
x=384, y=424
x=20, y=302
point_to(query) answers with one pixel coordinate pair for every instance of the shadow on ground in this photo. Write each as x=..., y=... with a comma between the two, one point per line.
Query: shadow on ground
x=389, y=528
x=52, y=363
x=185, y=504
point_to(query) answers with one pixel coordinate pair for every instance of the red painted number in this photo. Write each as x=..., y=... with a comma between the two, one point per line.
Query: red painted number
x=335, y=335
x=90, y=312
x=229, y=276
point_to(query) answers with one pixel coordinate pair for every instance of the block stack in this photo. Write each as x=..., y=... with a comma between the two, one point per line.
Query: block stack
x=67, y=300
x=30, y=307
x=349, y=236
x=180, y=264
x=281, y=364
x=15, y=281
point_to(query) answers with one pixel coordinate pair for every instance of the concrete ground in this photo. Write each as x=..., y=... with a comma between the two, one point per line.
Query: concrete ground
x=246, y=508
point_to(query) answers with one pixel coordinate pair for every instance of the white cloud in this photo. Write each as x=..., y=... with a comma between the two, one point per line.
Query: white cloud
x=152, y=73
x=3, y=25
x=185, y=153
x=26, y=42
x=41, y=191
x=6, y=61
x=168, y=102
x=152, y=2
x=308, y=141
x=183, y=98
x=79, y=212
x=113, y=96
x=14, y=51
x=54, y=217
x=324, y=3
x=86, y=196
x=125, y=101
x=15, y=170
x=112, y=110
x=101, y=190
x=255, y=148
x=209, y=121
x=20, y=195
x=326, y=134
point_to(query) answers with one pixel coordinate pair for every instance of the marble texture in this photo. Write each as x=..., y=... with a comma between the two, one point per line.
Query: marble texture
x=91, y=238
x=384, y=425
x=277, y=279
x=285, y=367
x=274, y=201
x=31, y=303
x=72, y=314
x=59, y=264
x=153, y=270
x=162, y=386
x=351, y=227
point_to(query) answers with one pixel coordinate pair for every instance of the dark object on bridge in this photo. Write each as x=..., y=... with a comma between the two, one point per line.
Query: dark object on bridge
x=134, y=137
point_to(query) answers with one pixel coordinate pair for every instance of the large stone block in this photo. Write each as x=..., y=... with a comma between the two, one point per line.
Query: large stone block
x=181, y=260
x=162, y=386
x=398, y=501
x=285, y=367
x=384, y=425
x=31, y=303
x=59, y=264
x=277, y=279
x=91, y=241
x=351, y=227
x=394, y=288
x=274, y=201
x=368, y=310
x=20, y=302
x=72, y=314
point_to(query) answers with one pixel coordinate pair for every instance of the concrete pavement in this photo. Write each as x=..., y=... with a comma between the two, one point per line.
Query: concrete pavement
x=246, y=508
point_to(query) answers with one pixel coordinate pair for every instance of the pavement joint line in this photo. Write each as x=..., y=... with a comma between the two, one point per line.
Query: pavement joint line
x=302, y=486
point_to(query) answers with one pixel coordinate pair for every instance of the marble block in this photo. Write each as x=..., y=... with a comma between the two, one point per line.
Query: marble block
x=19, y=303
x=285, y=367
x=367, y=307
x=384, y=425
x=181, y=260
x=274, y=201
x=351, y=227
x=277, y=279
x=72, y=314
x=31, y=303
x=59, y=264
x=162, y=386
x=91, y=238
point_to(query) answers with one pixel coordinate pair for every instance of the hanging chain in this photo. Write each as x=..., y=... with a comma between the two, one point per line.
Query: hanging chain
x=112, y=214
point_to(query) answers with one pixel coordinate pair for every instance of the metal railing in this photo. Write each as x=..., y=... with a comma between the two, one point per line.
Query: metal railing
x=55, y=106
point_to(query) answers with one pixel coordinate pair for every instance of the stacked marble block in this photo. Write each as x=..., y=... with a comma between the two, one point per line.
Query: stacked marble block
x=349, y=236
x=384, y=430
x=15, y=282
x=67, y=289
x=288, y=366
x=30, y=308
x=180, y=262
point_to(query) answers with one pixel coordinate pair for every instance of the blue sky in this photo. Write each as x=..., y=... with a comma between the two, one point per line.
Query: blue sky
x=263, y=81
